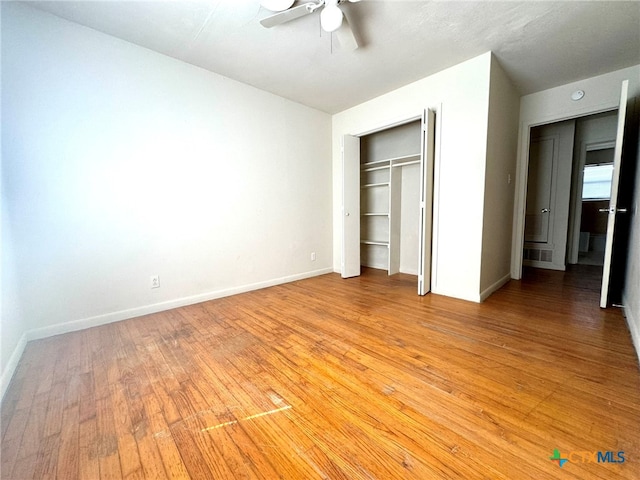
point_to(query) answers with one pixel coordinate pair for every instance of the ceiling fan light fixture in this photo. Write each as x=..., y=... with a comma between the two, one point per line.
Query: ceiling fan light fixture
x=331, y=17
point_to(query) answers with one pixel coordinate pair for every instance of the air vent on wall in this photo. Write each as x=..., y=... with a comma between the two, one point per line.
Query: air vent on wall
x=538, y=255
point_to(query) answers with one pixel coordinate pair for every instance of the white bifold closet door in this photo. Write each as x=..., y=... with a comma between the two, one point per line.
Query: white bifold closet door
x=351, y=204
x=426, y=201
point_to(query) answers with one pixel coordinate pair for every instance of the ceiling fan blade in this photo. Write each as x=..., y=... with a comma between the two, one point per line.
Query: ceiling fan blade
x=288, y=15
x=346, y=37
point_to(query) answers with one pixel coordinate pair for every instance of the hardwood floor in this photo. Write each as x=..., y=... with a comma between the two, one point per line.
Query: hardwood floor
x=331, y=378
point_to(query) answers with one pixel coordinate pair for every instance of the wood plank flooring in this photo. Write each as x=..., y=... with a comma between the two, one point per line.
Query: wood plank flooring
x=336, y=379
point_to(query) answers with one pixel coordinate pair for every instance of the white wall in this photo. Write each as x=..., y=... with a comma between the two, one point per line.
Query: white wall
x=499, y=184
x=631, y=294
x=409, y=218
x=12, y=324
x=601, y=93
x=120, y=163
x=463, y=93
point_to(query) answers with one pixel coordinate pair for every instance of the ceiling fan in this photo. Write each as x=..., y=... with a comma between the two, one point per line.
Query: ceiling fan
x=332, y=19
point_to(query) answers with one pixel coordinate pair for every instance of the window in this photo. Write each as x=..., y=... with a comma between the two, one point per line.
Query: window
x=597, y=182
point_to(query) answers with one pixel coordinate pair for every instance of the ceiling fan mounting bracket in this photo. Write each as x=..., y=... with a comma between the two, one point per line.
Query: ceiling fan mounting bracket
x=332, y=19
x=311, y=7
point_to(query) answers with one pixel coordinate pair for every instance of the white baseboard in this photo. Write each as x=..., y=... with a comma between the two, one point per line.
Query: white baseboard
x=494, y=287
x=634, y=327
x=455, y=294
x=12, y=364
x=162, y=306
x=81, y=324
x=476, y=298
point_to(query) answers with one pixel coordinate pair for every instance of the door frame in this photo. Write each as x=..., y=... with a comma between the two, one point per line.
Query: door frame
x=577, y=180
x=417, y=116
x=563, y=136
x=522, y=168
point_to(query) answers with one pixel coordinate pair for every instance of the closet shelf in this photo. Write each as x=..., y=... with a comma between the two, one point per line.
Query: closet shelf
x=404, y=164
x=404, y=159
x=373, y=169
x=375, y=163
x=374, y=242
x=372, y=185
x=375, y=214
x=393, y=161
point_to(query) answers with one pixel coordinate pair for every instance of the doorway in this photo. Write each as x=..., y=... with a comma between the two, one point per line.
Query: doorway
x=622, y=186
x=387, y=199
x=548, y=195
x=568, y=192
x=595, y=196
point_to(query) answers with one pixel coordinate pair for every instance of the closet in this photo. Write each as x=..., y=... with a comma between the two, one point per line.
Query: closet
x=387, y=200
x=390, y=199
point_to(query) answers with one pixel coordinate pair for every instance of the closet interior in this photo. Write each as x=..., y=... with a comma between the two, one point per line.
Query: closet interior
x=390, y=198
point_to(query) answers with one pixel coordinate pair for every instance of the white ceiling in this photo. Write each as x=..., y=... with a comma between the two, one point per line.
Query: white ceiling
x=539, y=44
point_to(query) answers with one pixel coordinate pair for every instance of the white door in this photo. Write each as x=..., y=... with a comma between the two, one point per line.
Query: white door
x=350, y=206
x=548, y=194
x=542, y=153
x=613, y=208
x=426, y=201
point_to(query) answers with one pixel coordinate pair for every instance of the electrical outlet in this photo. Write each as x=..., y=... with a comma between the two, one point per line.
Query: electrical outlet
x=155, y=281
x=313, y=256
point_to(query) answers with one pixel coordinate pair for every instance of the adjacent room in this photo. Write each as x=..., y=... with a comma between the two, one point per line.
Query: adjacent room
x=320, y=239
